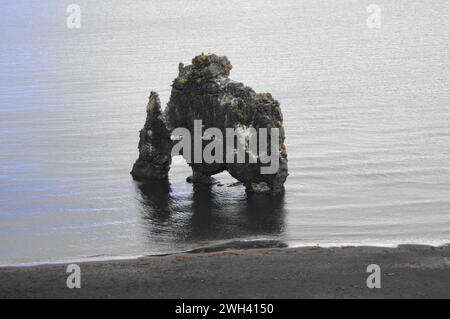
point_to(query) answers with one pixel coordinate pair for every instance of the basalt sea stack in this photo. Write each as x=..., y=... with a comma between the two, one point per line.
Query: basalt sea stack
x=203, y=91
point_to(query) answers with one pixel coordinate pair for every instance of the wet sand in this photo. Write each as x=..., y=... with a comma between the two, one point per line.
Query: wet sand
x=408, y=271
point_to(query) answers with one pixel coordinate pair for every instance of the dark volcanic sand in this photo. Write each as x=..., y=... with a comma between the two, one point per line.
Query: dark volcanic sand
x=311, y=272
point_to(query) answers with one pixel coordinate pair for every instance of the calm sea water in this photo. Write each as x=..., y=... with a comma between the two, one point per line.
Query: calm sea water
x=367, y=116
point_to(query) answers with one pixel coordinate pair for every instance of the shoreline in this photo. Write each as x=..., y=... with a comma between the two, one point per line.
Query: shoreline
x=233, y=271
x=238, y=244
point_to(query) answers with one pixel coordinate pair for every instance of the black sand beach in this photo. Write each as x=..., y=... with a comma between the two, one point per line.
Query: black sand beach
x=408, y=271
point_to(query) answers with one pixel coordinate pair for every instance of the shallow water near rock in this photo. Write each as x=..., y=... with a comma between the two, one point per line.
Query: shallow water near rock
x=367, y=121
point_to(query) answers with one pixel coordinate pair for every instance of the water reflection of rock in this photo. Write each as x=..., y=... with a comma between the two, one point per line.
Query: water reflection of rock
x=209, y=213
x=155, y=200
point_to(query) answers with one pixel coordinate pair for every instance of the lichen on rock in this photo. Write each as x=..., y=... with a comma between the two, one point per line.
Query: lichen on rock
x=203, y=91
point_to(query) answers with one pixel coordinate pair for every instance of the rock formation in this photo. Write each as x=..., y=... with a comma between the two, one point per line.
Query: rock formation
x=154, y=144
x=203, y=91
